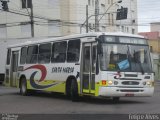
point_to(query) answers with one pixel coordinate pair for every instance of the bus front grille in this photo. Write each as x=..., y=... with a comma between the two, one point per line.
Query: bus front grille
x=136, y=79
x=130, y=83
x=131, y=90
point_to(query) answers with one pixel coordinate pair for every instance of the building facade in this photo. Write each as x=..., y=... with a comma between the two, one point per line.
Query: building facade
x=64, y=17
x=153, y=40
x=128, y=25
x=154, y=43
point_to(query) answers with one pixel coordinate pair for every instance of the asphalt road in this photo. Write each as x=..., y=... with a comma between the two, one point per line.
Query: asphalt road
x=46, y=103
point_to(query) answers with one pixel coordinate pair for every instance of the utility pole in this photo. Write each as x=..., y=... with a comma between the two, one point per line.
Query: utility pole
x=96, y=15
x=159, y=48
x=159, y=58
x=32, y=20
x=86, y=18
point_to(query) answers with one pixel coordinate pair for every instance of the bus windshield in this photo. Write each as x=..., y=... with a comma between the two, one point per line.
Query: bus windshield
x=125, y=57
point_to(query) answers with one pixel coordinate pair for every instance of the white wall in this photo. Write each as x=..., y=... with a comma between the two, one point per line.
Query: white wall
x=47, y=9
x=66, y=11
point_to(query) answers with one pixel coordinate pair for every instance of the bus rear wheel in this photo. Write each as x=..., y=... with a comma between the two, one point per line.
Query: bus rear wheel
x=116, y=99
x=23, y=87
x=74, y=90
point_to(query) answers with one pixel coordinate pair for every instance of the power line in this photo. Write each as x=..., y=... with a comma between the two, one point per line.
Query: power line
x=48, y=19
x=28, y=15
x=57, y=21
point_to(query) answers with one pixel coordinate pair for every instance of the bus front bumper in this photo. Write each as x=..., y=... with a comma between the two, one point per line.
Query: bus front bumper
x=125, y=92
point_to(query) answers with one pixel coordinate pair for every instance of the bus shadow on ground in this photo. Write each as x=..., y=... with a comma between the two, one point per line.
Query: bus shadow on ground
x=93, y=100
x=86, y=99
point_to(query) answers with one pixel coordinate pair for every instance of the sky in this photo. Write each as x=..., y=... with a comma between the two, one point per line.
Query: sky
x=148, y=11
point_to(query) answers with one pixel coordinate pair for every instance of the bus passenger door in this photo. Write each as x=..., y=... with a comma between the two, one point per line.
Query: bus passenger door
x=88, y=68
x=14, y=68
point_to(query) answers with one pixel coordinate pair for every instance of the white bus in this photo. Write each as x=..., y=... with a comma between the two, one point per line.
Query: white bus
x=97, y=64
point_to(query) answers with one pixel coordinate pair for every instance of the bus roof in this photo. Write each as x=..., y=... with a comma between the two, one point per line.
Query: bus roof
x=92, y=34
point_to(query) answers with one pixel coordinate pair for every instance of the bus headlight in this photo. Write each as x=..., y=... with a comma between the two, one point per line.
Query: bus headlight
x=149, y=83
x=110, y=82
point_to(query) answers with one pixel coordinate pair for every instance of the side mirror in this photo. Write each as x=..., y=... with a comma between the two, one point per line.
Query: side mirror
x=99, y=46
x=97, y=65
x=99, y=49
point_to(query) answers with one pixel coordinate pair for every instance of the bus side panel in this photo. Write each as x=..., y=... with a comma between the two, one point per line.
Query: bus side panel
x=49, y=77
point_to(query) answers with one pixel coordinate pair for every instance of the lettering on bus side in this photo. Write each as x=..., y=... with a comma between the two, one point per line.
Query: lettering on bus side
x=62, y=69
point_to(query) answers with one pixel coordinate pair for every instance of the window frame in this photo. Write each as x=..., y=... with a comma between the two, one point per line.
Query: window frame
x=26, y=4
x=52, y=56
x=75, y=40
x=23, y=55
x=43, y=53
x=32, y=54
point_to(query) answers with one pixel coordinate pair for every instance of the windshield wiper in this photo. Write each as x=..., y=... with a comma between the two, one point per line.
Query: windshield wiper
x=129, y=57
x=141, y=67
x=138, y=61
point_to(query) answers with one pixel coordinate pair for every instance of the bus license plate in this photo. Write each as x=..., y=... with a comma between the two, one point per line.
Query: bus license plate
x=129, y=95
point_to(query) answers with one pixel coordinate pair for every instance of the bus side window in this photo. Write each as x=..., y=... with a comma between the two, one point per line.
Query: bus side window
x=23, y=55
x=73, y=51
x=44, y=53
x=59, y=52
x=32, y=54
x=8, y=56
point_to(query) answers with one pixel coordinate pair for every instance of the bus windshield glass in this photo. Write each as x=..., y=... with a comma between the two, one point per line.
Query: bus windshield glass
x=126, y=56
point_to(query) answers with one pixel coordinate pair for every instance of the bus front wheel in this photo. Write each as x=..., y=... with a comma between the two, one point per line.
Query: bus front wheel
x=116, y=99
x=23, y=86
x=74, y=90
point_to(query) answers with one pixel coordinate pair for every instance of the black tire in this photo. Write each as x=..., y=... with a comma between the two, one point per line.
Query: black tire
x=116, y=99
x=23, y=87
x=68, y=89
x=74, y=90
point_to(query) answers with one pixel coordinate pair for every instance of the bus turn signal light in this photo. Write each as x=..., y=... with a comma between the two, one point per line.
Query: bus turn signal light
x=104, y=82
